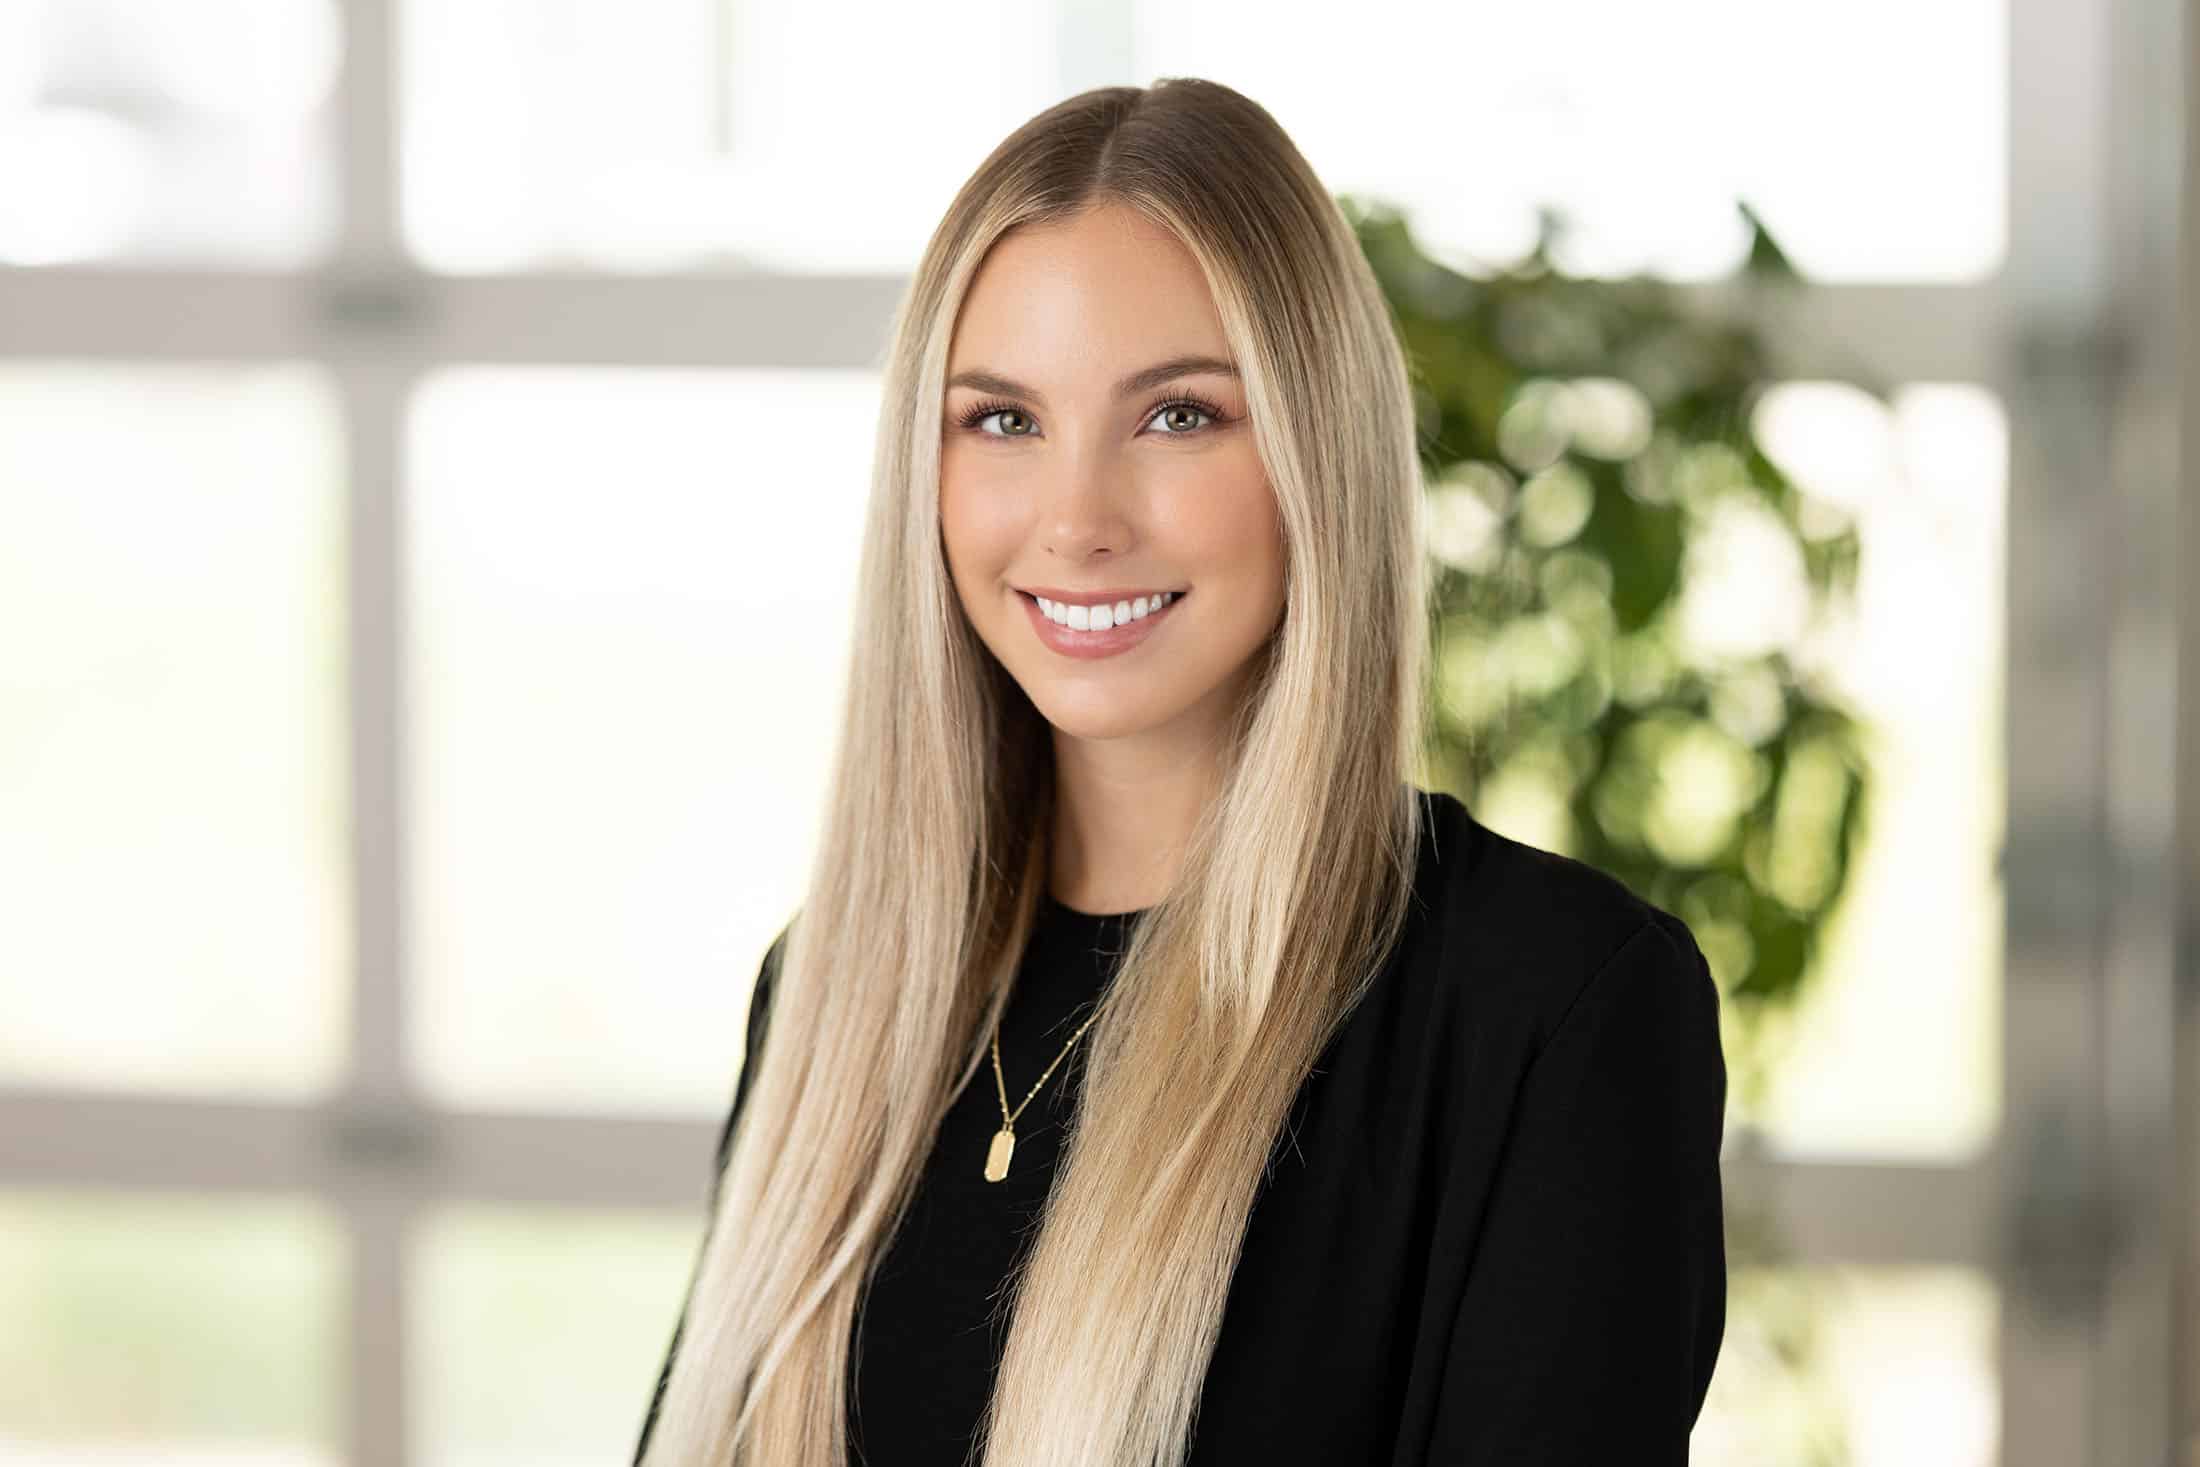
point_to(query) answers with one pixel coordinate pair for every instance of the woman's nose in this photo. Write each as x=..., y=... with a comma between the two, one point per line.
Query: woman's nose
x=1086, y=504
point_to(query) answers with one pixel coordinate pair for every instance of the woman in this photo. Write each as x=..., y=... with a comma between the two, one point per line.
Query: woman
x=1152, y=1074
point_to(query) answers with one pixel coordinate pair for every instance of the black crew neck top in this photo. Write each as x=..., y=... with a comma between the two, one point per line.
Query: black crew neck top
x=1491, y=1233
x=932, y=1295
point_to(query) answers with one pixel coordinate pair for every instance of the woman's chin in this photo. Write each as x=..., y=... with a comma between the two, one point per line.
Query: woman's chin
x=1099, y=716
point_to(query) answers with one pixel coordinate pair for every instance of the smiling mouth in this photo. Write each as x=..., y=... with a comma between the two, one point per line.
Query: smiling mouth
x=1097, y=617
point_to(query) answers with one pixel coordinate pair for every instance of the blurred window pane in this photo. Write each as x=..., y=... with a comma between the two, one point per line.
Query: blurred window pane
x=537, y=1335
x=631, y=596
x=170, y=1330
x=1866, y=1366
x=1896, y=1050
x=700, y=132
x=192, y=131
x=173, y=816
x=1870, y=137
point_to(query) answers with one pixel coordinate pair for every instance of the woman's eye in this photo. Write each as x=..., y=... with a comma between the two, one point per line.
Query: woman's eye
x=1191, y=409
x=1005, y=413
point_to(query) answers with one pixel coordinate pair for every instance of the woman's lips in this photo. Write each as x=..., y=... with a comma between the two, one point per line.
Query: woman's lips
x=1072, y=643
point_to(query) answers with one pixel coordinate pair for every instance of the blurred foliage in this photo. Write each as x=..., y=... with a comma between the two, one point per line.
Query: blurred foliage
x=1586, y=443
x=1585, y=440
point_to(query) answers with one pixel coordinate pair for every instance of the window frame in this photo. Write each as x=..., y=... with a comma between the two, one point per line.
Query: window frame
x=378, y=1151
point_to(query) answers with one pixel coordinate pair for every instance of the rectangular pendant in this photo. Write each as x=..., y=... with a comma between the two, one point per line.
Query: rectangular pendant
x=996, y=1159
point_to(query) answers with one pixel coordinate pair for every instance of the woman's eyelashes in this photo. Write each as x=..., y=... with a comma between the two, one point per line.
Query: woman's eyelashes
x=972, y=417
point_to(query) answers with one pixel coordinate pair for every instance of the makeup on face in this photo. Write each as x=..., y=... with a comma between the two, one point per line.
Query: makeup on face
x=1096, y=452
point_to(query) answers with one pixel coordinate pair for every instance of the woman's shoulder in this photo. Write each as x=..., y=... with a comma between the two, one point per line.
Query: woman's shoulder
x=1503, y=928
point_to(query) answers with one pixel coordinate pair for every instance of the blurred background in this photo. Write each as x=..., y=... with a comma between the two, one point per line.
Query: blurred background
x=433, y=436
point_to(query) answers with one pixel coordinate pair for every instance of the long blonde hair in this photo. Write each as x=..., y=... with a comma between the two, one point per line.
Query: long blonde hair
x=935, y=832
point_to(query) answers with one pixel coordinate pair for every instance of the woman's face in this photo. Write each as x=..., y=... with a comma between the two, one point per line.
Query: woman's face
x=1102, y=468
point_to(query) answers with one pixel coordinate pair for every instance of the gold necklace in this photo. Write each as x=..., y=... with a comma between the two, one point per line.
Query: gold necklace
x=1004, y=1140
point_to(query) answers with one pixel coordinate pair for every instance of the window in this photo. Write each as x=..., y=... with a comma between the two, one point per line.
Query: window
x=433, y=440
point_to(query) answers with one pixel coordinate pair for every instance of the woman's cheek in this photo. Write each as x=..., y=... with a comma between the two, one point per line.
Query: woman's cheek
x=979, y=510
x=1228, y=511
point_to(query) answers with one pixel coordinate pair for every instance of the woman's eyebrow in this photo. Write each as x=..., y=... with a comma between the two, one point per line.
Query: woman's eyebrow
x=1145, y=379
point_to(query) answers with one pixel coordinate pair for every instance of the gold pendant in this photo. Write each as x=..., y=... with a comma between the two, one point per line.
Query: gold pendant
x=996, y=1159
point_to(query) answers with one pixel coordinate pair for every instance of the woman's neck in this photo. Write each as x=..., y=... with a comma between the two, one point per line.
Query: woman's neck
x=1120, y=834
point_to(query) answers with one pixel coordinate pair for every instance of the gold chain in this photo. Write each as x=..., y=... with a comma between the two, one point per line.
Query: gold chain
x=1004, y=1140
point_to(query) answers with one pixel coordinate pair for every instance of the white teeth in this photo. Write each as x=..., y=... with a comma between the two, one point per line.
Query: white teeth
x=1100, y=618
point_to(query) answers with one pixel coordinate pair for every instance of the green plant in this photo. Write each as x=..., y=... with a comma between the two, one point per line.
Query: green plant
x=1586, y=440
